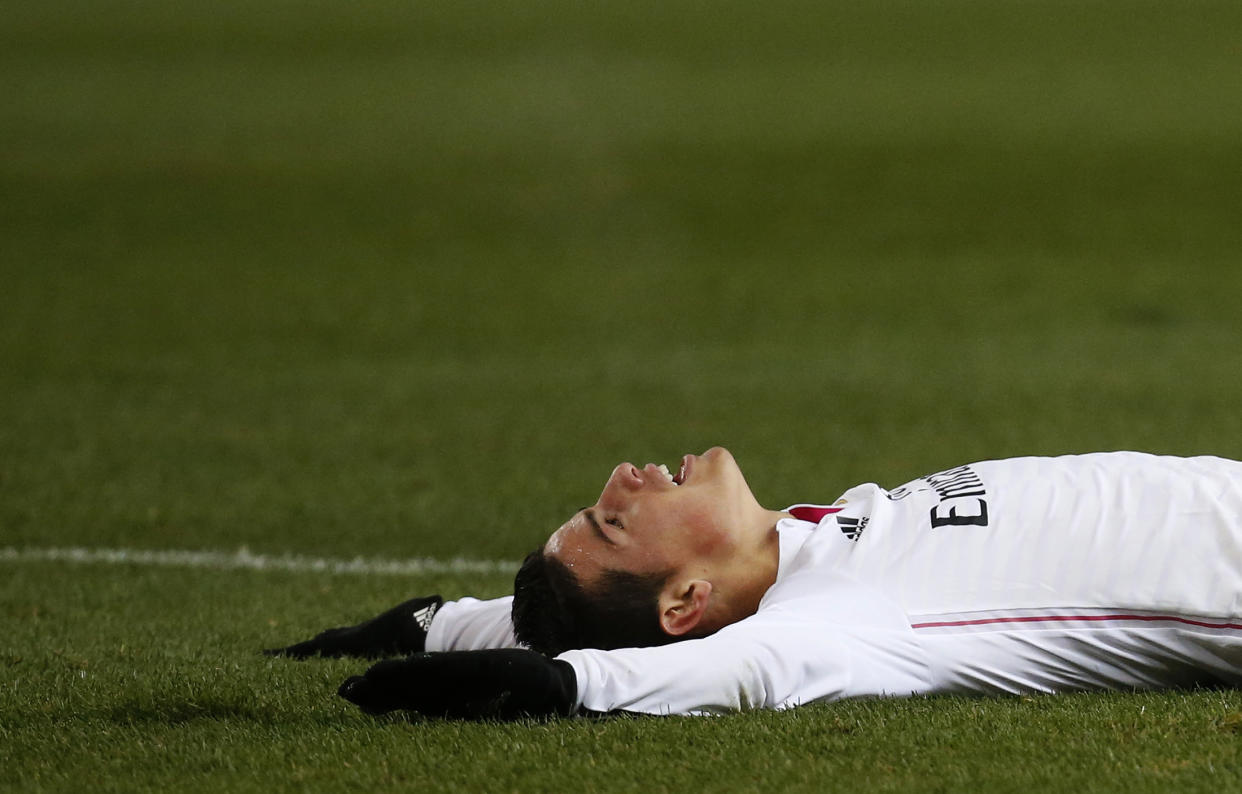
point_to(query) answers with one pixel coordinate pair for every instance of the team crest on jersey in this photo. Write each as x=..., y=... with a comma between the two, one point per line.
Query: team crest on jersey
x=852, y=528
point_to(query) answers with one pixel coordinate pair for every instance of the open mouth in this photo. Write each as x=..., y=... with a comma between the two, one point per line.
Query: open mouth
x=680, y=476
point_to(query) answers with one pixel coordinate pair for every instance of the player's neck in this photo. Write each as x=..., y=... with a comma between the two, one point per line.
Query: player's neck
x=766, y=558
x=745, y=577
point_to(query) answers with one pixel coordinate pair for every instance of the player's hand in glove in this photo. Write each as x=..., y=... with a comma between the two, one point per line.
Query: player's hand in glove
x=500, y=684
x=399, y=631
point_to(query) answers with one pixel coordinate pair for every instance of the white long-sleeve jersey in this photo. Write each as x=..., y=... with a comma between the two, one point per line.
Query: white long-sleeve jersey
x=1110, y=570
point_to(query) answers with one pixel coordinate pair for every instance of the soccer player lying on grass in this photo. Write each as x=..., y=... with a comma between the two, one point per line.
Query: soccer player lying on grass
x=683, y=595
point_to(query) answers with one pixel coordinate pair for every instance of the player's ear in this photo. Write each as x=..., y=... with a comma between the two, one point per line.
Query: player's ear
x=683, y=606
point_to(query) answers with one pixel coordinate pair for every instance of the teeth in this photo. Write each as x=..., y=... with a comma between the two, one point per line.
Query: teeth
x=664, y=470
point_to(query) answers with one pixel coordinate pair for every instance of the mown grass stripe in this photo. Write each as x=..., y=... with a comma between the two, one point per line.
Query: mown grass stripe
x=243, y=558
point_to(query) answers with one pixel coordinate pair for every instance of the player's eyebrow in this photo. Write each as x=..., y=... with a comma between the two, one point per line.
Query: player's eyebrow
x=590, y=517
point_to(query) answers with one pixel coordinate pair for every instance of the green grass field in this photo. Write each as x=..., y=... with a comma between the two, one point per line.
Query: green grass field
x=405, y=280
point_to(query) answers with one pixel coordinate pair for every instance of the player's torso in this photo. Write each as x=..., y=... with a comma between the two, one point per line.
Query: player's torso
x=1090, y=531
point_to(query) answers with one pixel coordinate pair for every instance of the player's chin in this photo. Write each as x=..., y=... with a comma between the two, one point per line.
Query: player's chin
x=723, y=462
x=719, y=457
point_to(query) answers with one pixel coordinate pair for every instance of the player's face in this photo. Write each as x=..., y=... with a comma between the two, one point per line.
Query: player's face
x=646, y=521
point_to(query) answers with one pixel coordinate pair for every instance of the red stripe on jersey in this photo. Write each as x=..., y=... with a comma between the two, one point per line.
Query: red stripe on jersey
x=1072, y=618
x=812, y=514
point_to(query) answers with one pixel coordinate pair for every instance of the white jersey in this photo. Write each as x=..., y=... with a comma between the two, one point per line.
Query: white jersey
x=1024, y=575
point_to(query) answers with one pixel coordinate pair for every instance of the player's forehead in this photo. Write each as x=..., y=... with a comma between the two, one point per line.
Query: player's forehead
x=579, y=546
x=556, y=541
x=573, y=543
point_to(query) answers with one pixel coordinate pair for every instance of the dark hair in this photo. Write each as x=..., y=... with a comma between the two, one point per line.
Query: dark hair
x=554, y=613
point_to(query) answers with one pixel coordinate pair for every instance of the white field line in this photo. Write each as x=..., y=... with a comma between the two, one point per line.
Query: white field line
x=244, y=559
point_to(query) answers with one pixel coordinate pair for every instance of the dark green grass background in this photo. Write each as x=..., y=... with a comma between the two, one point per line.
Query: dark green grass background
x=406, y=279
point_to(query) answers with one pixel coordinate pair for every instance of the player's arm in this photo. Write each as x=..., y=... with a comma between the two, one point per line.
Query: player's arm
x=715, y=674
x=427, y=623
x=784, y=662
x=828, y=643
x=471, y=624
x=817, y=636
x=398, y=631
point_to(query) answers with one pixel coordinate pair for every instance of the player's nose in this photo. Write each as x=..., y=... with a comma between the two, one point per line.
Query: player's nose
x=624, y=479
x=628, y=475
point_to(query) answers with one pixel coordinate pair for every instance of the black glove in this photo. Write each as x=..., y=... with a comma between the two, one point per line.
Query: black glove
x=498, y=684
x=401, y=630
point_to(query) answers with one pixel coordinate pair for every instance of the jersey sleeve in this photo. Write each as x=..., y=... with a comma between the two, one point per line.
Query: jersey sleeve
x=471, y=624
x=810, y=640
